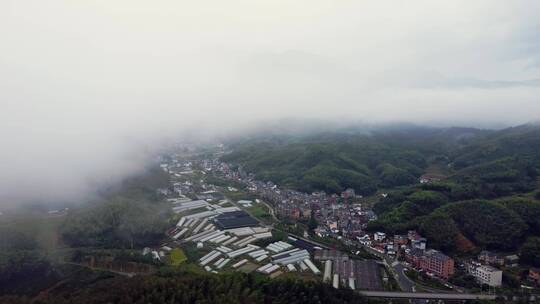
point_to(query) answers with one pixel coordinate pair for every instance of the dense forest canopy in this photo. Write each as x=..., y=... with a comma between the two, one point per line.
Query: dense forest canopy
x=167, y=286
x=334, y=162
x=490, y=198
x=485, y=164
x=192, y=287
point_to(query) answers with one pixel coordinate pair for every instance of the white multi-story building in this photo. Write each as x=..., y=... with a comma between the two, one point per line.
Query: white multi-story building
x=379, y=236
x=485, y=274
x=419, y=243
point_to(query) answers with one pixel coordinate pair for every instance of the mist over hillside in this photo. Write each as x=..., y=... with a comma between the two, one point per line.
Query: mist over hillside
x=89, y=89
x=76, y=168
x=384, y=156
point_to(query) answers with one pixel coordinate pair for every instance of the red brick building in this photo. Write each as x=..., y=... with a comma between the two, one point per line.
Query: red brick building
x=437, y=263
x=414, y=256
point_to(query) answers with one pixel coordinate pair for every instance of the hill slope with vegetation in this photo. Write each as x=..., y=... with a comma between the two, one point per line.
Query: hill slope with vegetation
x=491, y=199
x=348, y=159
x=488, y=195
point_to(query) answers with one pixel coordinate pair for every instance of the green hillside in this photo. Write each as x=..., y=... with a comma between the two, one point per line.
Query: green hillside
x=189, y=287
x=350, y=159
x=488, y=194
x=490, y=199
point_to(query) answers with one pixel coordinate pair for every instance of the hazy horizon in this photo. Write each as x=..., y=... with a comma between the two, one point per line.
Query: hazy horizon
x=90, y=89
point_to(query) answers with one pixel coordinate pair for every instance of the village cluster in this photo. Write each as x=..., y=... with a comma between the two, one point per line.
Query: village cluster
x=229, y=236
x=412, y=249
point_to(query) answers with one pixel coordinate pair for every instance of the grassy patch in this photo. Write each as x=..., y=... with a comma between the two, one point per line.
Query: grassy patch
x=193, y=253
x=260, y=211
x=240, y=195
x=177, y=257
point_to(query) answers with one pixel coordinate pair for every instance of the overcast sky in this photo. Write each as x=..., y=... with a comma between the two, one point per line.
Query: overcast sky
x=83, y=83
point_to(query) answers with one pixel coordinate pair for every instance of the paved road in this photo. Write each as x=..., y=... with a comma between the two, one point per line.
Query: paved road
x=397, y=270
x=423, y=295
x=404, y=282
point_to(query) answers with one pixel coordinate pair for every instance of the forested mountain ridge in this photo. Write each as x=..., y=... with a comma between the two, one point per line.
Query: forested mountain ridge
x=330, y=167
x=487, y=194
x=364, y=160
x=491, y=198
x=393, y=156
x=522, y=141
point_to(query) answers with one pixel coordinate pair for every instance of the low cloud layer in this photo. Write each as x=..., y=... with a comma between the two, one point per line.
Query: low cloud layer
x=88, y=88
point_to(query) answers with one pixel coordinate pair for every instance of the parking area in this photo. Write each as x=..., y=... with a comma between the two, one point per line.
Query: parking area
x=368, y=275
x=344, y=271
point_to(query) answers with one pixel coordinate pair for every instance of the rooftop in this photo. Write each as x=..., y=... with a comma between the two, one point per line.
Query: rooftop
x=437, y=255
x=235, y=219
x=489, y=268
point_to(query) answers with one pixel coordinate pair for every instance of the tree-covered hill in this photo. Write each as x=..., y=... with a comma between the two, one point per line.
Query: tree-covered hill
x=490, y=199
x=522, y=141
x=381, y=158
x=485, y=171
x=486, y=164
x=448, y=213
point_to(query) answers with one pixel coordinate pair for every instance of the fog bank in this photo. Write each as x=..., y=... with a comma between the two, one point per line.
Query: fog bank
x=89, y=89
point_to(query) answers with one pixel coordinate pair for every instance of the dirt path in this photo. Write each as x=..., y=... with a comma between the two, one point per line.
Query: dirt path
x=270, y=210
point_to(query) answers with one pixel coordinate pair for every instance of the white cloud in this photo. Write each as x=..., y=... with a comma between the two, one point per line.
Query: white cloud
x=79, y=77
